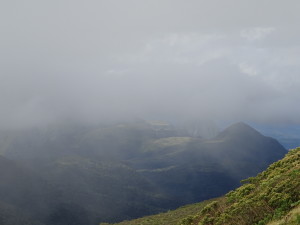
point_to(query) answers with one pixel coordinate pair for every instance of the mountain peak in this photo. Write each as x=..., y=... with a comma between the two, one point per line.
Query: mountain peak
x=239, y=129
x=241, y=125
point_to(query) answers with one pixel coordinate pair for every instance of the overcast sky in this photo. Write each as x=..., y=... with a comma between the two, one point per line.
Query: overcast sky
x=93, y=60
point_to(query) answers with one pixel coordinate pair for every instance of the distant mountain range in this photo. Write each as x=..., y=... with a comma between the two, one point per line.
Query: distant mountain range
x=73, y=174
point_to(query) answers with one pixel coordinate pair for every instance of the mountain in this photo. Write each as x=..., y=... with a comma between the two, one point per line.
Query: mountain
x=212, y=166
x=264, y=148
x=270, y=198
x=75, y=174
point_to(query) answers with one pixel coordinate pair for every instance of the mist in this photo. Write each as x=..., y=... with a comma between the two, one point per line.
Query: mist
x=97, y=61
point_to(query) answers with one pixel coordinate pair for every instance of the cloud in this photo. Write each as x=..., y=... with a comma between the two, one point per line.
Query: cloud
x=257, y=33
x=248, y=69
x=230, y=78
x=106, y=60
x=179, y=48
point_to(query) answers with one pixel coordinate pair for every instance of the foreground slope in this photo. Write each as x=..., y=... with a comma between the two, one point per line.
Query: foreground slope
x=272, y=197
x=167, y=218
x=291, y=218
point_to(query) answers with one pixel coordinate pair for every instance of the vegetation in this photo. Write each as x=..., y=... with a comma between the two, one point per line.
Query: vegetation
x=270, y=195
x=270, y=198
x=292, y=218
x=167, y=218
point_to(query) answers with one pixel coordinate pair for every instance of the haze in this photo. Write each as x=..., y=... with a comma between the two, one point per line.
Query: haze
x=95, y=61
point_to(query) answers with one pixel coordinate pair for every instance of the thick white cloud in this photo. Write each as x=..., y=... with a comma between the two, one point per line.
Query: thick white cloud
x=97, y=60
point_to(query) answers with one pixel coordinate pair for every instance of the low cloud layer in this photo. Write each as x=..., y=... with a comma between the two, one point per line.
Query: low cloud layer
x=105, y=60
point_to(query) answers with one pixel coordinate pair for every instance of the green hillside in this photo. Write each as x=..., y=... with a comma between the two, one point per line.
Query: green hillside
x=291, y=218
x=167, y=218
x=272, y=197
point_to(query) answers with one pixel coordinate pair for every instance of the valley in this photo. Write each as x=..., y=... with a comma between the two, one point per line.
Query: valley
x=72, y=174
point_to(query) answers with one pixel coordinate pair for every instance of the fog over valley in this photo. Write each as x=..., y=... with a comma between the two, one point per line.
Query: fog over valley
x=111, y=110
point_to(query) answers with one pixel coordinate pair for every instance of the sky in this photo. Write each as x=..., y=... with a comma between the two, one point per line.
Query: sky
x=103, y=60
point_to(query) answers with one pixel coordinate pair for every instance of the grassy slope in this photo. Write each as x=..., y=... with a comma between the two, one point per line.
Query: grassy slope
x=170, y=217
x=292, y=218
x=268, y=196
x=272, y=197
